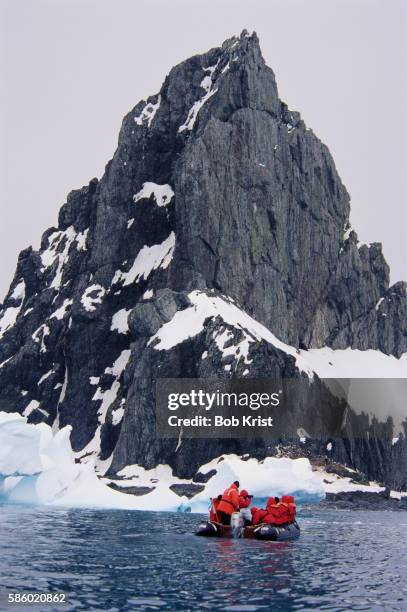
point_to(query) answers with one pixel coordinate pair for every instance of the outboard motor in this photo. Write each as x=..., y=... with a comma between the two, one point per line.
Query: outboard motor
x=236, y=524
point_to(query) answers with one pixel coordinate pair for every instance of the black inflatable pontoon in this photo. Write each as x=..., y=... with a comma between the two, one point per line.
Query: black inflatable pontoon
x=258, y=532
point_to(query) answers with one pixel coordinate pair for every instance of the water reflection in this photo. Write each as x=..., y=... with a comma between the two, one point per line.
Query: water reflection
x=121, y=560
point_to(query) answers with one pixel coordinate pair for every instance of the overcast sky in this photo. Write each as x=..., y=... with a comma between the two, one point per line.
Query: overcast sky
x=71, y=69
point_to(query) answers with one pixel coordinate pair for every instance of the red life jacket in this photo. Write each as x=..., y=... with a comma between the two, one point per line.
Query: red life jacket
x=281, y=513
x=213, y=515
x=275, y=513
x=244, y=500
x=230, y=500
x=258, y=515
x=291, y=508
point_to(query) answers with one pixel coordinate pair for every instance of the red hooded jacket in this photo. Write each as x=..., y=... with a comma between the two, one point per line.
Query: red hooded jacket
x=281, y=513
x=230, y=500
x=213, y=512
x=244, y=499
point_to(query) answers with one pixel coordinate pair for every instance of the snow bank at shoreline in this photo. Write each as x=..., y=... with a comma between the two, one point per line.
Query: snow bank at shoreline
x=38, y=467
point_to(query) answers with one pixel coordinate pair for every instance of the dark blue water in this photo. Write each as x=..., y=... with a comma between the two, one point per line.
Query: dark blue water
x=119, y=560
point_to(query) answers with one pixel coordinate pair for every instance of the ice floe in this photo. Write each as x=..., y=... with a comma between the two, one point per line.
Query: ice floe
x=38, y=466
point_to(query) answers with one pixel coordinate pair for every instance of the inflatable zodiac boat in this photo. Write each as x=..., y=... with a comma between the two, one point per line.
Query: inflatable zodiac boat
x=282, y=533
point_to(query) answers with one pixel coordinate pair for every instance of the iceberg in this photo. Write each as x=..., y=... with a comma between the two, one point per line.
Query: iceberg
x=38, y=466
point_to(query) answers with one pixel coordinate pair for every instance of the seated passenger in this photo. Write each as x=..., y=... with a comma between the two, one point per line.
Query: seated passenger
x=289, y=501
x=213, y=514
x=244, y=499
x=280, y=513
x=258, y=515
x=244, y=502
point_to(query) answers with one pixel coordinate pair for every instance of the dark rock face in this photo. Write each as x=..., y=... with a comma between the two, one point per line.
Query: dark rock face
x=189, y=490
x=215, y=187
x=364, y=500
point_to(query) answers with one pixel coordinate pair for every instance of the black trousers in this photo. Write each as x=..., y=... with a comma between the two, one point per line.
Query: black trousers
x=224, y=518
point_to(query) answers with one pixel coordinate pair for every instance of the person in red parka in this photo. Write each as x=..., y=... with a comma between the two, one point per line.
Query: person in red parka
x=258, y=515
x=244, y=499
x=244, y=502
x=229, y=503
x=213, y=512
x=289, y=502
x=280, y=513
x=275, y=512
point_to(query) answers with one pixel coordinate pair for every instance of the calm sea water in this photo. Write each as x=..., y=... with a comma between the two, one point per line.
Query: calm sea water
x=119, y=560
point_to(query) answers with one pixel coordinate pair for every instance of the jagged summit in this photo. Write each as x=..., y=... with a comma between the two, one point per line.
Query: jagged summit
x=221, y=220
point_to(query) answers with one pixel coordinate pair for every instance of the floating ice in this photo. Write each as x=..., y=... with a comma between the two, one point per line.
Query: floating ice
x=273, y=476
x=37, y=467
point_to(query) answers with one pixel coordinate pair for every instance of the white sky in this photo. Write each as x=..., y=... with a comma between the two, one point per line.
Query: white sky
x=71, y=69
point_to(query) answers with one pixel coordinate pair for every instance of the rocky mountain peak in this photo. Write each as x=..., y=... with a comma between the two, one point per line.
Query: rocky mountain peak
x=218, y=207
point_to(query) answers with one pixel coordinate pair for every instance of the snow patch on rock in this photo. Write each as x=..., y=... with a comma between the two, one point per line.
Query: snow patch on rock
x=51, y=254
x=120, y=321
x=163, y=194
x=92, y=296
x=19, y=291
x=148, y=259
x=148, y=113
x=33, y=405
x=62, y=310
x=190, y=322
x=352, y=363
x=10, y=314
x=81, y=240
x=207, y=85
